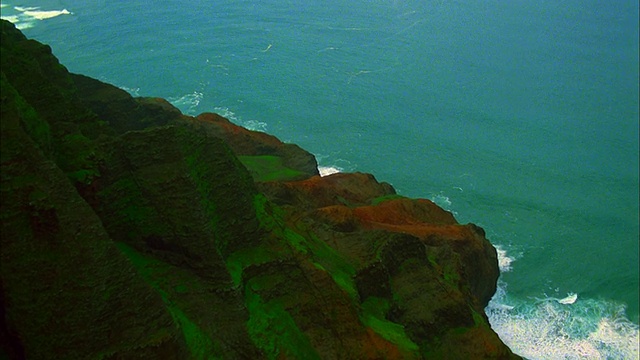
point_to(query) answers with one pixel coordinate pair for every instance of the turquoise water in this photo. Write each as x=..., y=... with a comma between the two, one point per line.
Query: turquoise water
x=520, y=116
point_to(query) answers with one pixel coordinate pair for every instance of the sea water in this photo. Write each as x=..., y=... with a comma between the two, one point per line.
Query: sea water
x=520, y=116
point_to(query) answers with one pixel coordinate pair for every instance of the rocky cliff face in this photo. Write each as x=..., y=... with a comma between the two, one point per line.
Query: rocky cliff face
x=129, y=230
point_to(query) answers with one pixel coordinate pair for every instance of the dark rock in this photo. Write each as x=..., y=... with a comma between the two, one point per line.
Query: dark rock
x=119, y=109
x=66, y=290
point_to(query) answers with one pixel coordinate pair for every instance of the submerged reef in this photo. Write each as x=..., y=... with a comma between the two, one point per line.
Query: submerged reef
x=129, y=230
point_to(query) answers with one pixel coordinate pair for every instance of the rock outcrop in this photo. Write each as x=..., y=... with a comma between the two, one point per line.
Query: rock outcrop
x=129, y=230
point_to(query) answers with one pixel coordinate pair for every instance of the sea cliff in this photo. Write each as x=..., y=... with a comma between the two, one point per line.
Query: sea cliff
x=130, y=230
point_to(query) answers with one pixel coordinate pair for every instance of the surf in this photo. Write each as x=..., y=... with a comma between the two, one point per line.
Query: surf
x=25, y=17
x=561, y=327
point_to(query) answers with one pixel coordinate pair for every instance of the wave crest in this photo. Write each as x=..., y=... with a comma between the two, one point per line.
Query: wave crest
x=187, y=103
x=328, y=170
x=591, y=329
x=253, y=125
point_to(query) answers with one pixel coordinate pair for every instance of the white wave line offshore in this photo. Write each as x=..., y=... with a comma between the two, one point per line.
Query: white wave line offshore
x=353, y=75
x=571, y=298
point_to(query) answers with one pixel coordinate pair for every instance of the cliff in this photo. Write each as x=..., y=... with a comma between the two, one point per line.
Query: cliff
x=129, y=230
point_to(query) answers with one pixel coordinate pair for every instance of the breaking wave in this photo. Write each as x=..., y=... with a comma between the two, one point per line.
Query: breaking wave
x=333, y=163
x=444, y=202
x=253, y=125
x=570, y=327
x=328, y=170
x=187, y=103
x=135, y=92
x=504, y=261
x=26, y=17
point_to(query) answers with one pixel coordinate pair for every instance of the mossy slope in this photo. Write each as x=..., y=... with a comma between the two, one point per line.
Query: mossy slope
x=65, y=290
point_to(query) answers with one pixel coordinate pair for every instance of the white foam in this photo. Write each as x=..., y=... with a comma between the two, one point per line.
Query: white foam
x=42, y=15
x=589, y=329
x=615, y=335
x=133, y=91
x=328, y=170
x=29, y=8
x=227, y=113
x=187, y=103
x=36, y=13
x=570, y=299
x=253, y=125
x=24, y=25
x=332, y=163
x=27, y=16
x=504, y=260
x=441, y=200
x=11, y=18
x=561, y=328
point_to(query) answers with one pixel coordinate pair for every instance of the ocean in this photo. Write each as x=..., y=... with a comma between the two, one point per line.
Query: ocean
x=520, y=116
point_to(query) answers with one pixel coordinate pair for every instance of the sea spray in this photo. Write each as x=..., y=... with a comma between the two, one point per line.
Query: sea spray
x=26, y=17
x=187, y=103
x=253, y=125
x=328, y=170
x=551, y=328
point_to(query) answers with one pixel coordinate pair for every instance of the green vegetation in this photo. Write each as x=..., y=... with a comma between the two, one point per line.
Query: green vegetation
x=37, y=128
x=154, y=272
x=224, y=185
x=451, y=275
x=200, y=172
x=200, y=345
x=84, y=176
x=268, y=168
x=449, y=272
x=126, y=199
x=328, y=259
x=77, y=157
x=324, y=257
x=374, y=310
x=266, y=212
x=237, y=261
x=384, y=198
x=432, y=260
x=272, y=328
x=478, y=319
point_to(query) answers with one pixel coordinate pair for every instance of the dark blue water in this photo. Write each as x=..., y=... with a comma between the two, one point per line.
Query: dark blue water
x=520, y=116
